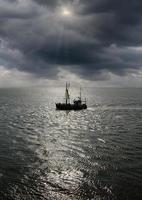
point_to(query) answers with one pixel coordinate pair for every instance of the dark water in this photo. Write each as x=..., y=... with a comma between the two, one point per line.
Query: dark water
x=91, y=154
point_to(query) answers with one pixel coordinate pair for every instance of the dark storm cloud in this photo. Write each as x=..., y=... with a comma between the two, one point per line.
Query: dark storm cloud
x=116, y=18
x=101, y=36
x=47, y=2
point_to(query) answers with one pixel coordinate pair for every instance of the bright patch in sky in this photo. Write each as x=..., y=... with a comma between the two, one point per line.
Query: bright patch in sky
x=66, y=12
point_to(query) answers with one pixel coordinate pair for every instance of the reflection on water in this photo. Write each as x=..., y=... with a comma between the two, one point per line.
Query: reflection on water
x=89, y=154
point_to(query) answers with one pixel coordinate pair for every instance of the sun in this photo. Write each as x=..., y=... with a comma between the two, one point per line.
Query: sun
x=66, y=12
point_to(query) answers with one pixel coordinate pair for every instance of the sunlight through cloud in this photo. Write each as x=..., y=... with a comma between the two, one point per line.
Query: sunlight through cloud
x=67, y=12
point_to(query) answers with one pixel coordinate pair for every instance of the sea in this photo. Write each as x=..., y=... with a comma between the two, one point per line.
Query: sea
x=93, y=154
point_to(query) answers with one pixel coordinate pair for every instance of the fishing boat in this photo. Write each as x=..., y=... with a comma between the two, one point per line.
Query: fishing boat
x=78, y=104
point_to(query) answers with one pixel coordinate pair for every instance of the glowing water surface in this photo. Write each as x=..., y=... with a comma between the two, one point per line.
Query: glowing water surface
x=90, y=154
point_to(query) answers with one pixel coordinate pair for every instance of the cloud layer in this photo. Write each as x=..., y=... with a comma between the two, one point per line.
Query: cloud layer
x=100, y=37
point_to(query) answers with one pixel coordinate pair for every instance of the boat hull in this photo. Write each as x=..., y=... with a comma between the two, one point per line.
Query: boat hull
x=62, y=106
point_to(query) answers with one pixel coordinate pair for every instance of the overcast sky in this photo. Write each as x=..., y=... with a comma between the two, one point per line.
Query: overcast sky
x=89, y=41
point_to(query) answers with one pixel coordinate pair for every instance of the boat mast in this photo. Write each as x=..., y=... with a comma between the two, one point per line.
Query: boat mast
x=67, y=96
x=66, y=93
x=80, y=94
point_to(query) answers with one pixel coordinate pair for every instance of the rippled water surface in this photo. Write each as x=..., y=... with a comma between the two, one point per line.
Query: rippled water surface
x=90, y=154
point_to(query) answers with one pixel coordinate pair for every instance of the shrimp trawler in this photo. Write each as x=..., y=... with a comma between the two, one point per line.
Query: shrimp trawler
x=78, y=104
